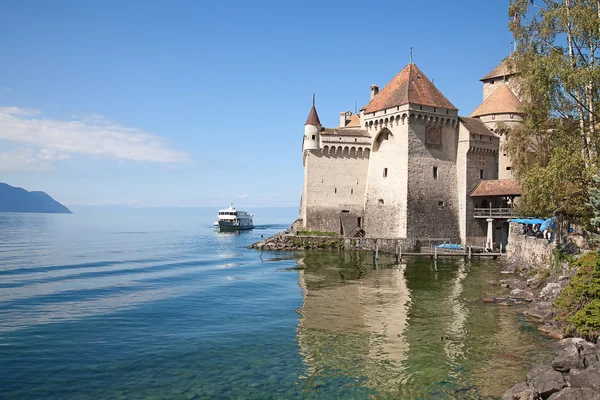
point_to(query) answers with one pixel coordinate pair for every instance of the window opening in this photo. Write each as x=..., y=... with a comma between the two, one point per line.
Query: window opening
x=435, y=173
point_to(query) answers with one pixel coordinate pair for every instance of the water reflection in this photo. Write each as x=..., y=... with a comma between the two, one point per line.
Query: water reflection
x=353, y=320
x=409, y=330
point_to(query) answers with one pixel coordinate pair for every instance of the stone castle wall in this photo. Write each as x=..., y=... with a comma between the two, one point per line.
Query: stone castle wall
x=333, y=183
x=526, y=251
x=433, y=208
x=385, y=201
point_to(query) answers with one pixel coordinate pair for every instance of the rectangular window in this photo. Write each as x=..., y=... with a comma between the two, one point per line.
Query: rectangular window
x=313, y=136
x=435, y=173
x=385, y=172
x=380, y=201
x=508, y=168
x=441, y=204
x=351, y=191
x=335, y=190
x=480, y=174
x=359, y=221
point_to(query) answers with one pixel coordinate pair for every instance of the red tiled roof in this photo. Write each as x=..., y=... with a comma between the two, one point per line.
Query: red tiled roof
x=409, y=86
x=502, y=69
x=501, y=187
x=501, y=101
x=313, y=117
x=476, y=126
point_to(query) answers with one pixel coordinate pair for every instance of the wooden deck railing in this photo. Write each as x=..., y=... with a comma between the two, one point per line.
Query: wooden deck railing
x=506, y=212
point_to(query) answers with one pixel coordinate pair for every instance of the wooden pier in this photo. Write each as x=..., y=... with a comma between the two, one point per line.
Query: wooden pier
x=434, y=253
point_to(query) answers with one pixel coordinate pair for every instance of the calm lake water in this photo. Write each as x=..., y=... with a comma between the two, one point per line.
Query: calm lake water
x=141, y=306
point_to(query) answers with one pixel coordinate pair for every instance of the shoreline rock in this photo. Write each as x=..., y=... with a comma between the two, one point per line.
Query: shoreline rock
x=573, y=374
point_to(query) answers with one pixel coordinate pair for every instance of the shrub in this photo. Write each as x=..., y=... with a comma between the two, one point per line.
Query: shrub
x=578, y=305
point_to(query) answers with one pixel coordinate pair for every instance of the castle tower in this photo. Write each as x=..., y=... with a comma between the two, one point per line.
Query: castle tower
x=312, y=127
x=501, y=105
x=411, y=184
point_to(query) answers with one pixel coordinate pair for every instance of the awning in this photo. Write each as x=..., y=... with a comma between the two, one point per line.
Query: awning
x=527, y=221
x=550, y=223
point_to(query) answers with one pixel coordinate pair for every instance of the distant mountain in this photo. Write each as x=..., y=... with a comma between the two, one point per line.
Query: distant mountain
x=13, y=199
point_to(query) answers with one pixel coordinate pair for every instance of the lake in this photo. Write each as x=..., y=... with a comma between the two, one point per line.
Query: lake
x=157, y=305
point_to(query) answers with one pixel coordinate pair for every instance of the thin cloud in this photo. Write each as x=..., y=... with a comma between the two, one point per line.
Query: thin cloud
x=94, y=136
x=24, y=159
x=243, y=196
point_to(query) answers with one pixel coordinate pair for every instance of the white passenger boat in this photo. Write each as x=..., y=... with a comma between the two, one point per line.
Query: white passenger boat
x=231, y=219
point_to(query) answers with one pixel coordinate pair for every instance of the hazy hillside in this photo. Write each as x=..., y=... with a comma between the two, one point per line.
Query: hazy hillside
x=13, y=199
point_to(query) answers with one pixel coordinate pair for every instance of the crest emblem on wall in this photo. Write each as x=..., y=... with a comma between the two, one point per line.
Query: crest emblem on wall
x=433, y=136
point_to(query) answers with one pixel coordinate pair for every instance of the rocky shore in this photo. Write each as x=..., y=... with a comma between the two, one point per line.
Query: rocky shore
x=539, y=291
x=573, y=375
x=287, y=241
x=575, y=372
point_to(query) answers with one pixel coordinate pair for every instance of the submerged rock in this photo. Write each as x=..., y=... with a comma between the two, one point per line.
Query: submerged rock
x=521, y=391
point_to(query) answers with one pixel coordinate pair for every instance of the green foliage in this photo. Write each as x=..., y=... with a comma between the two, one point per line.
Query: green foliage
x=555, y=151
x=578, y=305
x=317, y=233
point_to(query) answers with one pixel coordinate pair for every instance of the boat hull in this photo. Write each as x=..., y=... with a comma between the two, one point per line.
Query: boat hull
x=231, y=226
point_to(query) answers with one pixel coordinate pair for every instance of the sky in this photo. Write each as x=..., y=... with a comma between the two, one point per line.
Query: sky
x=196, y=103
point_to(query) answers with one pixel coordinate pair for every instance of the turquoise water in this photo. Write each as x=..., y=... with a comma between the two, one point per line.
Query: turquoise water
x=149, y=306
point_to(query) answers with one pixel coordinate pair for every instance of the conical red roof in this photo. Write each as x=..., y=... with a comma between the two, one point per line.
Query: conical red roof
x=409, y=86
x=313, y=117
x=501, y=101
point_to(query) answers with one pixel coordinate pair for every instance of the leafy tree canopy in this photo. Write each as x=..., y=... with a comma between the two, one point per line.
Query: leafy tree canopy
x=555, y=151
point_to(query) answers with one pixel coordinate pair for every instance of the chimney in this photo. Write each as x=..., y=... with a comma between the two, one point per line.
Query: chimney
x=344, y=118
x=374, y=91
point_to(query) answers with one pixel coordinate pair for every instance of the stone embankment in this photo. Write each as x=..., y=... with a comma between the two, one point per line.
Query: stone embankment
x=573, y=375
x=287, y=241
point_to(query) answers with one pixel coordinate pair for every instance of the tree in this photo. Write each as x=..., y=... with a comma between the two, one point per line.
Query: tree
x=555, y=151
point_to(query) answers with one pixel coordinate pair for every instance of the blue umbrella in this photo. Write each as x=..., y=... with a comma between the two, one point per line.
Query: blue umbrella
x=550, y=223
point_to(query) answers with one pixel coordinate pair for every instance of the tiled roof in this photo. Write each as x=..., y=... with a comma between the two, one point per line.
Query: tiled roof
x=474, y=125
x=502, y=69
x=409, y=86
x=501, y=101
x=313, y=117
x=354, y=121
x=501, y=187
x=344, y=132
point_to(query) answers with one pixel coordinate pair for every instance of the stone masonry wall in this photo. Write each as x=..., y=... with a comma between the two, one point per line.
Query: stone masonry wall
x=333, y=183
x=526, y=251
x=433, y=207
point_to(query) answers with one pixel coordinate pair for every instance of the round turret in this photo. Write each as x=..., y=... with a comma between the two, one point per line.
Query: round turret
x=312, y=127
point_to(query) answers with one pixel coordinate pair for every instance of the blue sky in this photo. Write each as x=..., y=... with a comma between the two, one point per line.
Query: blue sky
x=194, y=103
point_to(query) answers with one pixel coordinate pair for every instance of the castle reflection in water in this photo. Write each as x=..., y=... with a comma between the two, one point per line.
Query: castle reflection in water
x=409, y=329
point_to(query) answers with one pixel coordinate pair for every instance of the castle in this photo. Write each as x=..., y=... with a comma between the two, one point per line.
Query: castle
x=408, y=166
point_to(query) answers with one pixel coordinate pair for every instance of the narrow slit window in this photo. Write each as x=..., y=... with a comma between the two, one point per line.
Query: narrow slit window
x=435, y=173
x=385, y=172
x=335, y=190
x=480, y=174
x=351, y=191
